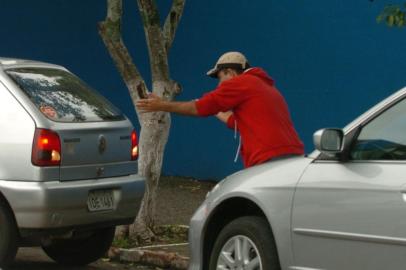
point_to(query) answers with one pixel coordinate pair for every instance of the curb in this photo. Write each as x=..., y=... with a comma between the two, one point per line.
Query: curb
x=156, y=258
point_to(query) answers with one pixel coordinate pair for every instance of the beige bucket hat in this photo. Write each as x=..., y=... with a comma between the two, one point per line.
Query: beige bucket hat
x=229, y=60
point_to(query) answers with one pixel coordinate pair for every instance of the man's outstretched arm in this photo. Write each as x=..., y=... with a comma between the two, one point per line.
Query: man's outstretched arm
x=156, y=104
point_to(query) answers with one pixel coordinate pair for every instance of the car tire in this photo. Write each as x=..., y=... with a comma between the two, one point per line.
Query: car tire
x=9, y=236
x=255, y=234
x=80, y=251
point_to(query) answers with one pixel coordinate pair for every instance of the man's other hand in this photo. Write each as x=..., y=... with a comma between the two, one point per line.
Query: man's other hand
x=223, y=116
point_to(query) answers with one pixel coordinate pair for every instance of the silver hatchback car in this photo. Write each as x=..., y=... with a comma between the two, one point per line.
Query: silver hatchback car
x=341, y=207
x=67, y=165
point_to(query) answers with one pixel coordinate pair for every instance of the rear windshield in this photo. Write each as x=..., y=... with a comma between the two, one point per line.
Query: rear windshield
x=63, y=97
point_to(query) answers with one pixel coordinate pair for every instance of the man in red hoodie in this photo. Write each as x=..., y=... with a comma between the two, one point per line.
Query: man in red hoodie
x=247, y=100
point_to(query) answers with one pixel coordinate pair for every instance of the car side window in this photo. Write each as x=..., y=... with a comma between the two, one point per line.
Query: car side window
x=384, y=138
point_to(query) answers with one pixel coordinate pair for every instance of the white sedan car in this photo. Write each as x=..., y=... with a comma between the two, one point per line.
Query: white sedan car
x=341, y=207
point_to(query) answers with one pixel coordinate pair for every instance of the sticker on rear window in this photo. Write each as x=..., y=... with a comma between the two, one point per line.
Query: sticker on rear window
x=48, y=111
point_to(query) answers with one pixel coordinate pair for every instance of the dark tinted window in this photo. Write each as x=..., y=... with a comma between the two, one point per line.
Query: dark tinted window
x=63, y=97
x=384, y=138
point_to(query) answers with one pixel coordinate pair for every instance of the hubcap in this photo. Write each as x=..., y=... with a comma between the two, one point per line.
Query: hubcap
x=239, y=253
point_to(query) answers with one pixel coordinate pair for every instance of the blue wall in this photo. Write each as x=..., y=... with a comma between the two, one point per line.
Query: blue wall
x=330, y=59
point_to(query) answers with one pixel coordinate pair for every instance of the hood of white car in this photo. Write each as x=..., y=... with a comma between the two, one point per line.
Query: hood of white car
x=282, y=173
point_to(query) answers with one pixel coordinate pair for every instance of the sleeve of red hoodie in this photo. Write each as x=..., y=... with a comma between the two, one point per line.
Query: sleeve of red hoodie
x=231, y=122
x=224, y=98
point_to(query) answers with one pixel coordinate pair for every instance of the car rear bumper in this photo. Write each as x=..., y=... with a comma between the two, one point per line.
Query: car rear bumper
x=54, y=204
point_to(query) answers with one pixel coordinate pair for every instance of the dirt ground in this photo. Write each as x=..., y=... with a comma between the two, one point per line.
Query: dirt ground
x=178, y=199
x=35, y=259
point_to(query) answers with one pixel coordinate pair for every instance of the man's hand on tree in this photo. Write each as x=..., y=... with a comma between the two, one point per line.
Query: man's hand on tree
x=151, y=104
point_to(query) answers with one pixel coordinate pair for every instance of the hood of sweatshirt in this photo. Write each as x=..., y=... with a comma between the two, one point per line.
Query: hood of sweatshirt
x=259, y=72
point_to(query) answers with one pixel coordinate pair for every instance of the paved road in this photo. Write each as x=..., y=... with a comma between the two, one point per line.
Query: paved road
x=35, y=259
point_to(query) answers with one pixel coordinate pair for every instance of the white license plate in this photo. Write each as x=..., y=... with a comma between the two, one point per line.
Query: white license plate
x=100, y=200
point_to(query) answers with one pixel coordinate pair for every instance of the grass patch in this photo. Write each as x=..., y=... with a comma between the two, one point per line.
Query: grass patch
x=164, y=234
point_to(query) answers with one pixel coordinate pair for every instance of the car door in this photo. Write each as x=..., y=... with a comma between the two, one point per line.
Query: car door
x=352, y=214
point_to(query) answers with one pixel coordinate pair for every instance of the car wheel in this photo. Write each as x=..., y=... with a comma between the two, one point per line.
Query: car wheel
x=245, y=243
x=8, y=236
x=80, y=251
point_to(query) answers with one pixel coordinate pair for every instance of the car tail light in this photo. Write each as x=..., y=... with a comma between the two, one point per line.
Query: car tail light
x=46, y=148
x=134, y=146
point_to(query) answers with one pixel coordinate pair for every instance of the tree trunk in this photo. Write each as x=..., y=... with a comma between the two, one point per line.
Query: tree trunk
x=154, y=126
x=154, y=135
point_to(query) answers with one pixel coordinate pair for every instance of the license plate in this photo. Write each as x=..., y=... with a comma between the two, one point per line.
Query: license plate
x=100, y=200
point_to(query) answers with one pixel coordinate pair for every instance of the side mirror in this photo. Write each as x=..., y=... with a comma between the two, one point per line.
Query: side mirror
x=329, y=140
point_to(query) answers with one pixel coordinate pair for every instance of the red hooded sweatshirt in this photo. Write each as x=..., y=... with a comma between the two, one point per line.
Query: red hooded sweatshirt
x=260, y=114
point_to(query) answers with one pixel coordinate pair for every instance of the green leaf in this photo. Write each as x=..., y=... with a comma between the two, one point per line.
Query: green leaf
x=393, y=15
x=390, y=20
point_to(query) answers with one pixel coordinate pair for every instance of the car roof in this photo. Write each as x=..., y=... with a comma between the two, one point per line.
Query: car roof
x=6, y=63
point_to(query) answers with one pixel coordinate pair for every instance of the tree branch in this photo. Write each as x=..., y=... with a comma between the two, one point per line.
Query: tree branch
x=172, y=22
x=149, y=13
x=110, y=32
x=155, y=40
